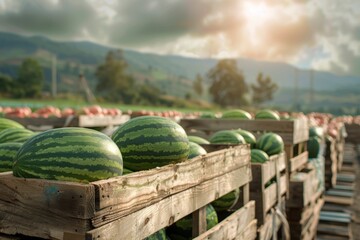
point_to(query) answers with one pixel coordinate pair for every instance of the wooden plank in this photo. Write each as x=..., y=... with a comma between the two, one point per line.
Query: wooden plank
x=26, y=205
x=98, y=121
x=292, y=131
x=298, y=162
x=301, y=188
x=233, y=226
x=266, y=230
x=146, y=221
x=120, y=196
x=331, y=229
x=199, y=221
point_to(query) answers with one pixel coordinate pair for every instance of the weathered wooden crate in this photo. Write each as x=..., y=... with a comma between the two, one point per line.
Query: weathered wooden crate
x=264, y=194
x=292, y=131
x=295, y=133
x=303, y=224
x=71, y=121
x=132, y=206
x=331, y=166
x=303, y=188
x=353, y=133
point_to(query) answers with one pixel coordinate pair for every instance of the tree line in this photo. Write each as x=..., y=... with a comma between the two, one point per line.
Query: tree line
x=226, y=84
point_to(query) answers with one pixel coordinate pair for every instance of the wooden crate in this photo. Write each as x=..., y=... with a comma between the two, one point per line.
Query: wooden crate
x=128, y=207
x=41, y=123
x=331, y=166
x=291, y=131
x=266, y=197
x=305, y=227
x=353, y=133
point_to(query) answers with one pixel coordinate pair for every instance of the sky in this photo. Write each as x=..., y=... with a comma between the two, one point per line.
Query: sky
x=317, y=34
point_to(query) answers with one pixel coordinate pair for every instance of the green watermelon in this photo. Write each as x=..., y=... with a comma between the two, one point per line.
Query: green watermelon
x=226, y=137
x=7, y=123
x=236, y=114
x=198, y=140
x=248, y=136
x=150, y=141
x=225, y=202
x=7, y=155
x=159, y=235
x=69, y=154
x=316, y=132
x=196, y=150
x=313, y=147
x=258, y=156
x=267, y=114
x=208, y=115
x=15, y=135
x=271, y=143
x=182, y=229
x=126, y=171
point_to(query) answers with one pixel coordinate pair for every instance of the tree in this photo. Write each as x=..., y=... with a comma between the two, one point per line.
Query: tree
x=263, y=90
x=6, y=84
x=113, y=81
x=228, y=86
x=30, y=79
x=198, y=85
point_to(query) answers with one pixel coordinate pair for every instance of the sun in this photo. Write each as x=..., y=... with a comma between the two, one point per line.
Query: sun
x=256, y=12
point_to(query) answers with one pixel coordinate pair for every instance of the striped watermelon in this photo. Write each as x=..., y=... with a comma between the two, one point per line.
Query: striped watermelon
x=258, y=156
x=316, y=132
x=198, y=140
x=271, y=143
x=236, y=114
x=248, y=136
x=15, y=135
x=159, y=235
x=226, y=137
x=182, y=229
x=195, y=150
x=126, y=171
x=69, y=154
x=313, y=147
x=7, y=155
x=267, y=114
x=150, y=141
x=227, y=201
x=7, y=123
x=208, y=115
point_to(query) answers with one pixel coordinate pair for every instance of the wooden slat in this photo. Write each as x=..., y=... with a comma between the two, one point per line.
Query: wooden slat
x=334, y=230
x=234, y=226
x=265, y=231
x=339, y=200
x=298, y=162
x=44, y=208
x=144, y=222
x=199, y=221
x=97, y=121
x=120, y=196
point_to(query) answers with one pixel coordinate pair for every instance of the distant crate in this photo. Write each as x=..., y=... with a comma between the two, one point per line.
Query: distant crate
x=71, y=121
x=133, y=206
x=353, y=133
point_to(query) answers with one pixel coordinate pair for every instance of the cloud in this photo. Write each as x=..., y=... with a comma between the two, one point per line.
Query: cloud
x=326, y=33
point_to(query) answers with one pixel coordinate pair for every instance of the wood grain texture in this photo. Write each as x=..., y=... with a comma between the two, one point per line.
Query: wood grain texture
x=44, y=208
x=147, y=220
x=298, y=162
x=120, y=196
x=236, y=226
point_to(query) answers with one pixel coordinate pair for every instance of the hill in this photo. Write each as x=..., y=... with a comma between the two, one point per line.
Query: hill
x=172, y=74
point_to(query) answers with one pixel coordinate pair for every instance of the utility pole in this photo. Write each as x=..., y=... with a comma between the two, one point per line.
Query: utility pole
x=90, y=98
x=296, y=88
x=311, y=86
x=53, y=76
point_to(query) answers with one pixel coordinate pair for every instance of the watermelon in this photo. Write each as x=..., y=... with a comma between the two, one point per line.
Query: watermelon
x=7, y=155
x=313, y=147
x=259, y=156
x=236, y=114
x=159, y=235
x=271, y=143
x=126, y=171
x=198, y=140
x=149, y=141
x=15, y=135
x=182, y=229
x=267, y=114
x=316, y=132
x=208, y=115
x=225, y=202
x=7, y=123
x=196, y=150
x=248, y=136
x=69, y=154
x=226, y=137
